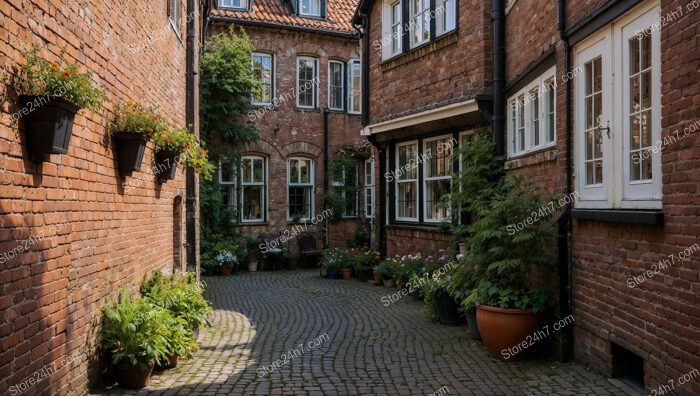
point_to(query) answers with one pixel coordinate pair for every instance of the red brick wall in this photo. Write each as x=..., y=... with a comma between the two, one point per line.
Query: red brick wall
x=409, y=240
x=439, y=73
x=300, y=132
x=97, y=233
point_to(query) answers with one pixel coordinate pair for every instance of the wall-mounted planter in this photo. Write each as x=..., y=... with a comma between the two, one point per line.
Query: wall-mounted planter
x=48, y=124
x=166, y=165
x=130, y=148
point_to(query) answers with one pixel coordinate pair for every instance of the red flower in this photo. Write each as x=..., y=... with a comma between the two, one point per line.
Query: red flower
x=66, y=74
x=149, y=129
x=469, y=269
x=54, y=66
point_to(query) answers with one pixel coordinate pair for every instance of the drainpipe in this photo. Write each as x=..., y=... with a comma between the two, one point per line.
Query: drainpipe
x=364, y=34
x=190, y=117
x=499, y=75
x=565, y=227
x=379, y=204
x=325, y=173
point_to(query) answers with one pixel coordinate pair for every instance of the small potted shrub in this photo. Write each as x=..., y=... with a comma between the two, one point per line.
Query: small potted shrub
x=50, y=95
x=377, y=276
x=133, y=334
x=180, y=339
x=332, y=262
x=364, y=259
x=386, y=270
x=227, y=262
x=176, y=144
x=133, y=127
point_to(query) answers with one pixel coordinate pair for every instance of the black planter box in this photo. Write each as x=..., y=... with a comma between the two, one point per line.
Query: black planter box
x=130, y=148
x=48, y=124
x=166, y=165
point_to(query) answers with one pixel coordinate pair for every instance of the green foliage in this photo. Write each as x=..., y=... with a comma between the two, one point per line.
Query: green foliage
x=134, y=118
x=133, y=331
x=180, y=294
x=192, y=153
x=336, y=259
x=364, y=258
x=40, y=77
x=341, y=170
x=434, y=288
x=465, y=278
x=226, y=85
x=387, y=269
x=358, y=239
x=180, y=338
x=507, y=258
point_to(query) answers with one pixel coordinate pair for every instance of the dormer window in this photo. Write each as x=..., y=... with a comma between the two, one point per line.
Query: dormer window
x=312, y=8
x=234, y=4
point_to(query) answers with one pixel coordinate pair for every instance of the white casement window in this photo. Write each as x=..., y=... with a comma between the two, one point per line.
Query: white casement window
x=175, y=15
x=369, y=188
x=348, y=187
x=396, y=33
x=354, y=87
x=227, y=180
x=234, y=4
x=300, y=188
x=253, y=186
x=392, y=28
x=419, y=27
x=531, y=116
x=618, y=114
x=437, y=179
x=407, y=181
x=446, y=16
x=307, y=82
x=336, y=84
x=310, y=7
x=263, y=73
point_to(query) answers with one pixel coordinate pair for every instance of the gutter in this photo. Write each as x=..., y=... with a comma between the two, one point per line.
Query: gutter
x=499, y=75
x=257, y=23
x=326, y=158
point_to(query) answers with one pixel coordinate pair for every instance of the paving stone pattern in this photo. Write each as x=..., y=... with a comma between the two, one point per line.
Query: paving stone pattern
x=370, y=349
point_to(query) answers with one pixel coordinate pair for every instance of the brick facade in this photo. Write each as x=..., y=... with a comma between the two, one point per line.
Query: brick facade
x=86, y=231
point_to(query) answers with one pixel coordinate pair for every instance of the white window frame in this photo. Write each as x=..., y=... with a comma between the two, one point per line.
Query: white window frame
x=429, y=156
x=399, y=180
x=175, y=16
x=314, y=82
x=272, y=77
x=229, y=4
x=263, y=184
x=342, y=183
x=369, y=188
x=320, y=7
x=310, y=185
x=231, y=185
x=611, y=43
x=415, y=15
x=392, y=29
x=446, y=21
x=342, y=84
x=354, y=107
x=521, y=116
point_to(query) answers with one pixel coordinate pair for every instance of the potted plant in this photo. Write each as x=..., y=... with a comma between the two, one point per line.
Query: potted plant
x=50, y=95
x=174, y=145
x=363, y=260
x=386, y=271
x=132, y=128
x=439, y=305
x=508, y=304
x=465, y=277
x=377, y=277
x=180, y=339
x=227, y=261
x=332, y=262
x=133, y=334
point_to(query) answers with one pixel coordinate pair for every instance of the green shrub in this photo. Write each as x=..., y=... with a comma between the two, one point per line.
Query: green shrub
x=180, y=294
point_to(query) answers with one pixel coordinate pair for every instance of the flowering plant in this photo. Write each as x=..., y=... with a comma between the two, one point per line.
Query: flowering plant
x=226, y=258
x=137, y=119
x=364, y=258
x=465, y=276
x=192, y=154
x=335, y=259
x=434, y=288
x=39, y=77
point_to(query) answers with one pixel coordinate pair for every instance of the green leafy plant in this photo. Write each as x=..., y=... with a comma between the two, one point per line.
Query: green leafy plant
x=387, y=268
x=134, y=118
x=39, y=77
x=179, y=337
x=192, y=153
x=434, y=288
x=465, y=278
x=133, y=331
x=364, y=258
x=180, y=294
x=335, y=259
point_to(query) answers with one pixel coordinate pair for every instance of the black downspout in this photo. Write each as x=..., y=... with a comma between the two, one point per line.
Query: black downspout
x=565, y=229
x=365, y=70
x=190, y=188
x=326, y=158
x=499, y=75
x=380, y=210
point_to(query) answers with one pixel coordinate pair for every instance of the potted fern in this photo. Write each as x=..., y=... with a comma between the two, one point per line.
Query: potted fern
x=50, y=95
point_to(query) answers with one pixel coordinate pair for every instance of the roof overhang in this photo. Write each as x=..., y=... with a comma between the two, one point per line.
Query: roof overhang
x=259, y=23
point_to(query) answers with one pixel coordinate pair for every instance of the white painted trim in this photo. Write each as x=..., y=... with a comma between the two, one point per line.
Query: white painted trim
x=452, y=110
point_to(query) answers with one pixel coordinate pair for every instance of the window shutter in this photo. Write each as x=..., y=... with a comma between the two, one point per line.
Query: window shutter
x=323, y=8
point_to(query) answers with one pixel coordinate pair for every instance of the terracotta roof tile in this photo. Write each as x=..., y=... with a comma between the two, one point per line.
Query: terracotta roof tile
x=340, y=13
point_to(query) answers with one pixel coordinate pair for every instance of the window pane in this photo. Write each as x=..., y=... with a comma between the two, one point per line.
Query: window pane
x=294, y=171
x=355, y=86
x=335, y=88
x=407, y=162
x=535, y=118
x=407, y=200
x=306, y=82
x=227, y=172
x=300, y=201
x=258, y=170
x=640, y=119
x=253, y=201
x=550, y=112
x=435, y=190
x=246, y=170
x=594, y=136
x=305, y=171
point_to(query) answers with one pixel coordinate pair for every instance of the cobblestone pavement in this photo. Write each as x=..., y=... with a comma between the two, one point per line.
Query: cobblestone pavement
x=370, y=349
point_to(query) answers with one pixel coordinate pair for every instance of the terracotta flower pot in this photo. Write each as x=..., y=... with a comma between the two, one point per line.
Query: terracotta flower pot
x=225, y=270
x=502, y=328
x=132, y=377
x=347, y=273
x=377, y=278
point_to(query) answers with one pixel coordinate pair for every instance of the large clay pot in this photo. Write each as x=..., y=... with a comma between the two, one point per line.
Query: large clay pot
x=347, y=273
x=502, y=328
x=225, y=270
x=131, y=377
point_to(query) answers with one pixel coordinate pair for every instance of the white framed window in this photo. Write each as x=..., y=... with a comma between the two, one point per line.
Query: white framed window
x=446, y=16
x=369, y=188
x=336, y=85
x=396, y=33
x=307, y=82
x=310, y=7
x=300, y=188
x=227, y=180
x=253, y=187
x=392, y=28
x=437, y=176
x=407, y=181
x=234, y=4
x=263, y=72
x=419, y=28
x=354, y=87
x=175, y=15
x=618, y=114
x=531, y=116
x=348, y=187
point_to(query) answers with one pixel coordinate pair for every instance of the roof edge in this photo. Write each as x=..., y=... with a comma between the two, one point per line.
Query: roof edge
x=252, y=22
